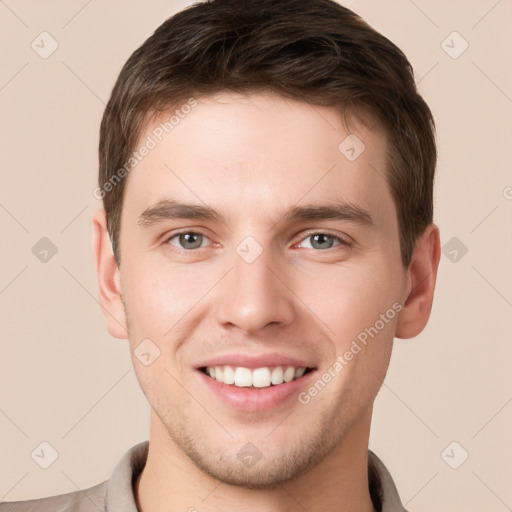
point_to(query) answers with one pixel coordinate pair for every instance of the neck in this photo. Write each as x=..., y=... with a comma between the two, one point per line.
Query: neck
x=170, y=480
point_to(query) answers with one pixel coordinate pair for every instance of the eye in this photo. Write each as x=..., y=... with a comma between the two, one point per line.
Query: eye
x=191, y=240
x=324, y=241
x=188, y=240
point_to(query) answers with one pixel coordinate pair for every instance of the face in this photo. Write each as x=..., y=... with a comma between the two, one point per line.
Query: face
x=251, y=241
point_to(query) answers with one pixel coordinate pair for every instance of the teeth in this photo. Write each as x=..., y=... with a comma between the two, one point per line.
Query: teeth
x=299, y=372
x=229, y=375
x=277, y=376
x=243, y=377
x=289, y=374
x=258, y=378
x=261, y=378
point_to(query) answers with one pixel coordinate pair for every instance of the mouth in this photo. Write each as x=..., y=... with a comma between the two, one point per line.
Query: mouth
x=255, y=378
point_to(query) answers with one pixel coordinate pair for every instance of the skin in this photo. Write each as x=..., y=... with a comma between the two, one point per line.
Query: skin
x=250, y=158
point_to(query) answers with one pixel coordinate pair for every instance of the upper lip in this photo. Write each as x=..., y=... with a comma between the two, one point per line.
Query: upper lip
x=255, y=361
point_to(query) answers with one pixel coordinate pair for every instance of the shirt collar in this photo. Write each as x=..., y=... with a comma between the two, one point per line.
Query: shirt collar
x=120, y=493
x=383, y=490
x=120, y=490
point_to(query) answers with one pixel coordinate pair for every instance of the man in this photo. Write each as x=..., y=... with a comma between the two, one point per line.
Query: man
x=266, y=170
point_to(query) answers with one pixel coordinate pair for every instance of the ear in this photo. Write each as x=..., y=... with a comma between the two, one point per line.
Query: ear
x=422, y=274
x=108, y=276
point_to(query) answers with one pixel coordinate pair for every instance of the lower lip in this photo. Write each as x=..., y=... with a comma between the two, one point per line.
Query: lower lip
x=256, y=399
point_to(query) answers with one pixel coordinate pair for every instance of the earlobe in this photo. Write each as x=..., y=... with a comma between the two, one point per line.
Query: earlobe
x=422, y=280
x=108, y=276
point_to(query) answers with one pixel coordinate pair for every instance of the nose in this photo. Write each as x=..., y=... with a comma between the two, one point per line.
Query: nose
x=254, y=295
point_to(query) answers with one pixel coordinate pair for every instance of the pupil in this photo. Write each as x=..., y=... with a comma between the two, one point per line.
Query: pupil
x=188, y=238
x=322, y=238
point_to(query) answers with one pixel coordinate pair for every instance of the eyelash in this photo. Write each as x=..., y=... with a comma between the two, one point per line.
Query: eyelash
x=342, y=241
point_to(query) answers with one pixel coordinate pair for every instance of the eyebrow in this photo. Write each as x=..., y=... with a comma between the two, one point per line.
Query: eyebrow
x=168, y=209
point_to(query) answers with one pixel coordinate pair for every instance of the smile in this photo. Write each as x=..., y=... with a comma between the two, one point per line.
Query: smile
x=263, y=377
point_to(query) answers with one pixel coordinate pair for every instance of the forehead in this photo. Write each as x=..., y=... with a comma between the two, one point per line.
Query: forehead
x=259, y=153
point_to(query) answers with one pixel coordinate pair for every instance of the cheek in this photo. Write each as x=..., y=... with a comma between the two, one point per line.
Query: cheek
x=157, y=304
x=159, y=298
x=349, y=299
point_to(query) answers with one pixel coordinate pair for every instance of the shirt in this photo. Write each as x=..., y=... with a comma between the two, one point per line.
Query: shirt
x=117, y=493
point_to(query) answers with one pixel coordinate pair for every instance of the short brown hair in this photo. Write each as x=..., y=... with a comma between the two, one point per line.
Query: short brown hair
x=315, y=51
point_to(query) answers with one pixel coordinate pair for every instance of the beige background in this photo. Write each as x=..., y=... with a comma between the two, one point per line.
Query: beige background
x=65, y=381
